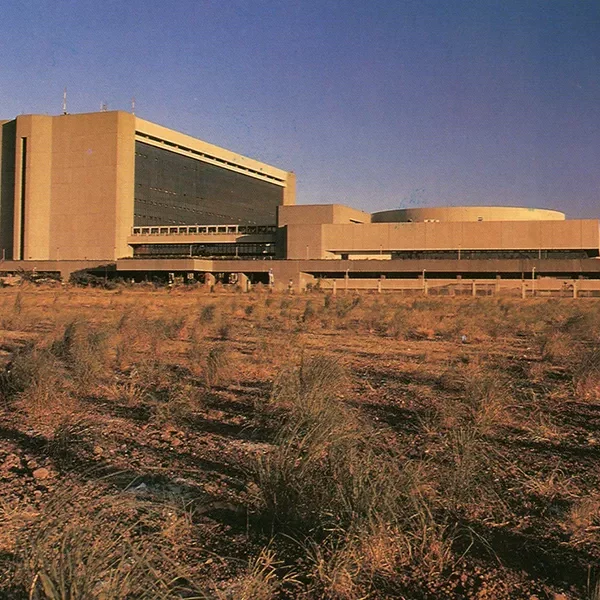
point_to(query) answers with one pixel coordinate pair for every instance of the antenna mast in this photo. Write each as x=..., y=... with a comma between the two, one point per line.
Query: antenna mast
x=133, y=105
x=65, y=101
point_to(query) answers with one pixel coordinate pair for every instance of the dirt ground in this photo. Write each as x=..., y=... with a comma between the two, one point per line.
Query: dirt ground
x=136, y=423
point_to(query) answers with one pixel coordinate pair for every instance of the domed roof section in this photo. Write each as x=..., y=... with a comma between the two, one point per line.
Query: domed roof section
x=446, y=214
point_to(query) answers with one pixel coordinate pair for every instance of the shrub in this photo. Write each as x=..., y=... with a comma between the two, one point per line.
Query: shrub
x=586, y=375
x=88, y=545
x=207, y=313
x=328, y=470
x=215, y=366
x=35, y=377
x=84, y=352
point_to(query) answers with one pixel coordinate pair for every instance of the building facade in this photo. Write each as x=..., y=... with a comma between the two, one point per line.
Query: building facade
x=74, y=186
x=110, y=189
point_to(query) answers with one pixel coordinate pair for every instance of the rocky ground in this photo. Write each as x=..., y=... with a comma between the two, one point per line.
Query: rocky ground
x=134, y=422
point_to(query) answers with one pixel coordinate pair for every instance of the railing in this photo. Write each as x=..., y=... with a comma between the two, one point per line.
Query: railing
x=204, y=230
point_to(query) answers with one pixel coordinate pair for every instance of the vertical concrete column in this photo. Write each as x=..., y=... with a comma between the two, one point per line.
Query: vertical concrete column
x=574, y=288
x=473, y=289
x=209, y=280
x=243, y=282
x=379, y=286
x=334, y=288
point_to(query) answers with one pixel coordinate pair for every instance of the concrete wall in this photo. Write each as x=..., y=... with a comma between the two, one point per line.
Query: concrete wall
x=319, y=214
x=467, y=213
x=92, y=186
x=75, y=198
x=379, y=238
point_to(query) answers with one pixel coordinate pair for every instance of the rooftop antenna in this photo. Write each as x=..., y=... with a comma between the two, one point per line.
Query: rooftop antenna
x=65, y=101
x=133, y=105
x=103, y=106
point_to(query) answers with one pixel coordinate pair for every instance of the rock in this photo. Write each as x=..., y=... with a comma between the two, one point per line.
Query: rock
x=176, y=442
x=98, y=450
x=12, y=462
x=41, y=474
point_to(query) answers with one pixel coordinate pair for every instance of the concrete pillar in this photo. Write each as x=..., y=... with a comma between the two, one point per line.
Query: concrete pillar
x=243, y=282
x=209, y=280
x=379, y=287
x=473, y=288
x=574, y=288
x=334, y=288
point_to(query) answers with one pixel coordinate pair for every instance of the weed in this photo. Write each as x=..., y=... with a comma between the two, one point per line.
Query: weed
x=262, y=581
x=207, y=313
x=586, y=376
x=180, y=403
x=92, y=546
x=215, y=367
x=67, y=434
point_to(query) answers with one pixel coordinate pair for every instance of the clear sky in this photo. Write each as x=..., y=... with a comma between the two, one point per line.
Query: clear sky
x=377, y=104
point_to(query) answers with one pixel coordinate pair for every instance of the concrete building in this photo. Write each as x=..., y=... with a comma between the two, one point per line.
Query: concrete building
x=74, y=186
x=113, y=191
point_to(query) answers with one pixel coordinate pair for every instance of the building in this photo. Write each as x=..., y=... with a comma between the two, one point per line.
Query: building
x=114, y=191
x=74, y=186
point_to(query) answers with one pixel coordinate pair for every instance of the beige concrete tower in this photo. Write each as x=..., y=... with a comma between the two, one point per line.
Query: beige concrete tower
x=67, y=183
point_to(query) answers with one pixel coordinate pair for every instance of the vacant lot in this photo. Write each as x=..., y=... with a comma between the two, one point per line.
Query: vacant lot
x=168, y=444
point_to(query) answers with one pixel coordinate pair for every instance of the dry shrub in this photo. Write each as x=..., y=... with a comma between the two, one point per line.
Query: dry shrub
x=487, y=396
x=207, y=314
x=196, y=351
x=558, y=348
x=549, y=485
x=480, y=399
x=467, y=476
x=37, y=383
x=264, y=578
x=586, y=375
x=66, y=436
x=542, y=428
x=584, y=517
x=85, y=354
x=331, y=476
x=217, y=367
x=180, y=403
x=306, y=392
x=168, y=328
x=225, y=328
x=95, y=543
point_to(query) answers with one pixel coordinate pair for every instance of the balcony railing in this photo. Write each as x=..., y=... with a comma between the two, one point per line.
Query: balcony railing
x=204, y=230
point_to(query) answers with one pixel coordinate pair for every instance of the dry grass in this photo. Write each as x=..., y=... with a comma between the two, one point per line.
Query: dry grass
x=109, y=546
x=349, y=446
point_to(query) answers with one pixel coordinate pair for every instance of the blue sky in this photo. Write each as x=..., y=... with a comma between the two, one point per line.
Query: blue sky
x=377, y=104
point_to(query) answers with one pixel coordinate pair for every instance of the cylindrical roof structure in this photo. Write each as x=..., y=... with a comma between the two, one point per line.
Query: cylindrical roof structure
x=446, y=214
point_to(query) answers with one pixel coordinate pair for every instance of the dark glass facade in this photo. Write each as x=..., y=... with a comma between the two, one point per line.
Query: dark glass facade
x=239, y=250
x=174, y=189
x=492, y=254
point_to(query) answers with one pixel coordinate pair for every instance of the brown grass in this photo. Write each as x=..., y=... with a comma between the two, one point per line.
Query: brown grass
x=261, y=446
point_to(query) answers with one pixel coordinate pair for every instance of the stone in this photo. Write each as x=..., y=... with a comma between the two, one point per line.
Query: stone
x=41, y=474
